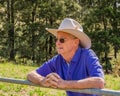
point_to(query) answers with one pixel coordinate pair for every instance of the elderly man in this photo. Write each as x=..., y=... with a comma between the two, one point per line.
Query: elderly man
x=75, y=66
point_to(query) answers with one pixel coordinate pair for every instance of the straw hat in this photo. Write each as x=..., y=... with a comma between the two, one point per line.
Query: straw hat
x=72, y=27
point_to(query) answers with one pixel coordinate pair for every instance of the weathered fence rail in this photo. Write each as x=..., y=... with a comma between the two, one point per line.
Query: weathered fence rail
x=104, y=92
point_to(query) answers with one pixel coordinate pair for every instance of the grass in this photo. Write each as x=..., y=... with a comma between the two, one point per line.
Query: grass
x=112, y=82
x=20, y=71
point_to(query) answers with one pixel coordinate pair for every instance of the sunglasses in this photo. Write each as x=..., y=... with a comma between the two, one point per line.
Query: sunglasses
x=61, y=40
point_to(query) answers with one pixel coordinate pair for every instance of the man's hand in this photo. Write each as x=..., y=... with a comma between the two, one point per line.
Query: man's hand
x=53, y=80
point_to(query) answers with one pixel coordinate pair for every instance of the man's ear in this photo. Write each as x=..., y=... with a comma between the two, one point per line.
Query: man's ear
x=77, y=42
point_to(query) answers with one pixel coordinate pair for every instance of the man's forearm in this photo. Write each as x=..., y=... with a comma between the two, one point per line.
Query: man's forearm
x=35, y=78
x=93, y=82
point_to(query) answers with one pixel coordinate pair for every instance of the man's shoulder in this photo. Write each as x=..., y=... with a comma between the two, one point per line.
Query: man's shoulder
x=87, y=51
x=56, y=57
x=84, y=50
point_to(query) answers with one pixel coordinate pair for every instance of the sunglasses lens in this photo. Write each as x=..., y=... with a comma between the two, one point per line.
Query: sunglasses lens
x=62, y=40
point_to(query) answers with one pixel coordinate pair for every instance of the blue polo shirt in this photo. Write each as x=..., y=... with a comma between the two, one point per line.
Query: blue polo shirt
x=84, y=64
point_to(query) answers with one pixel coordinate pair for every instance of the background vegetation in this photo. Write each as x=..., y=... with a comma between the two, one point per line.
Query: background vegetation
x=23, y=38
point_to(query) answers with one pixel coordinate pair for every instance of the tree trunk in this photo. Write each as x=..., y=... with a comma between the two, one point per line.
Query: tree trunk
x=115, y=27
x=105, y=43
x=33, y=31
x=10, y=20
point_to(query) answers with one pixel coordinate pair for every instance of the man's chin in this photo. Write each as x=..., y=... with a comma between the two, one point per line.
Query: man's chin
x=60, y=52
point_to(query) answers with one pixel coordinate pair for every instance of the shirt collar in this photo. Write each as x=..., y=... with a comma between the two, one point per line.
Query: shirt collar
x=77, y=55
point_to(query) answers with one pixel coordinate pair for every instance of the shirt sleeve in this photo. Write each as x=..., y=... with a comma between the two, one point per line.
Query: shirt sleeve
x=93, y=65
x=46, y=67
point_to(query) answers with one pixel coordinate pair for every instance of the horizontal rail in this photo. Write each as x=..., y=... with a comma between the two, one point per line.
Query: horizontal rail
x=105, y=92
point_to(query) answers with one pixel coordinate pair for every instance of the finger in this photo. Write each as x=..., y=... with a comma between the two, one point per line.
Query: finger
x=56, y=75
x=53, y=78
x=53, y=83
x=53, y=86
x=51, y=75
x=45, y=82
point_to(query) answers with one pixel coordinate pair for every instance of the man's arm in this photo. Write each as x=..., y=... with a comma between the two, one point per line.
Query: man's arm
x=49, y=81
x=36, y=78
x=54, y=80
x=92, y=82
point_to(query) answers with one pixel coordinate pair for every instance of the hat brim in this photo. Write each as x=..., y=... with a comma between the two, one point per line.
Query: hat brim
x=84, y=39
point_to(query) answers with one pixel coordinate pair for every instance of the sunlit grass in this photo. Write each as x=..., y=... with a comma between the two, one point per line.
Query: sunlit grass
x=112, y=82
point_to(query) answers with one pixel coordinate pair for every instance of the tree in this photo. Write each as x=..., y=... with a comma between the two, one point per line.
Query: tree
x=98, y=24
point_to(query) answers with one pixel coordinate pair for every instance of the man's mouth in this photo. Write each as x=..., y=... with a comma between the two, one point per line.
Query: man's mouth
x=59, y=48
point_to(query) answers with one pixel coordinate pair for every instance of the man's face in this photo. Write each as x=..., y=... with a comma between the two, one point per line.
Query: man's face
x=65, y=43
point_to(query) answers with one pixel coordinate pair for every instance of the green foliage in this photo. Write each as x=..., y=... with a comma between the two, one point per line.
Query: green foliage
x=32, y=44
x=31, y=41
x=103, y=28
